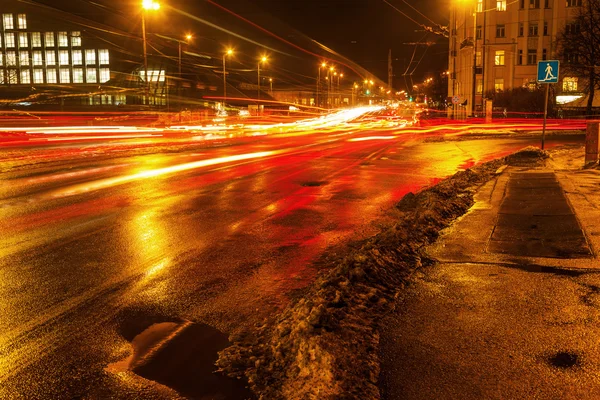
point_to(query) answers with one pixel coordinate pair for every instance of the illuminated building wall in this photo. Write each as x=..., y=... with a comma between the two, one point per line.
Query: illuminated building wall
x=33, y=56
x=511, y=36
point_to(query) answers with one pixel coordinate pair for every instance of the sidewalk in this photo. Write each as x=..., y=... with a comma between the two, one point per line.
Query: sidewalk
x=512, y=308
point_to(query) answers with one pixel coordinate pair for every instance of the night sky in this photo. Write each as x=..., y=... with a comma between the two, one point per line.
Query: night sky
x=360, y=32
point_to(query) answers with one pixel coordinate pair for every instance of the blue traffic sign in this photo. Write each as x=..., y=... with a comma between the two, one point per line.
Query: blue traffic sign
x=547, y=71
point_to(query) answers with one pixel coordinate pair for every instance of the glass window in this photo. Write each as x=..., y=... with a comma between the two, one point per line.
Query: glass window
x=534, y=3
x=501, y=5
x=545, y=28
x=103, y=56
x=104, y=75
x=22, y=21
x=63, y=57
x=500, y=31
x=76, y=39
x=65, y=75
x=2, y=81
x=544, y=54
x=499, y=84
x=1, y=59
x=50, y=57
x=479, y=88
x=77, y=75
x=49, y=37
x=36, y=58
x=573, y=28
x=478, y=32
x=531, y=56
x=569, y=84
x=533, y=29
x=8, y=21
x=478, y=58
x=479, y=5
x=573, y=3
x=521, y=29
x=77, y=57
x=1, y=41
x=91, y=75
x=38, y=75
x=499, y=57
x=23, y=41
x=63, y=40
x=25, y=77
x=36, y=39
x=11, y=58
x=520, y=57
x=51, y=75
x=23, y=58
x=90, y=57
x=12, y=75
x=9, y=39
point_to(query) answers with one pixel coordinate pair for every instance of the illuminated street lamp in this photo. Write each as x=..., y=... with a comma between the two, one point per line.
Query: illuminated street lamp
x=154, y=6
x=323, y=65
x=188, y=37
x=329, y=78
x=263, y=59
x=271, y=86
x=227, y=53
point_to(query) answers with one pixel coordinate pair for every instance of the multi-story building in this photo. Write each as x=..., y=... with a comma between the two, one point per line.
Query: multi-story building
x=495, y=45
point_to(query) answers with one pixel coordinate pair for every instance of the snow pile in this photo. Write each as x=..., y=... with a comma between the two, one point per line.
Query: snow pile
x=528, y=157
x=325, y=345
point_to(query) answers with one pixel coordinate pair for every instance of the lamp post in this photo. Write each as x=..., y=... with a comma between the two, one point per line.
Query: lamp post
x=263, y=59
x=323, y=65
x=330, y=73
x=354, y=93
x=147, y=5
x=188, y=37
x=227, y=53
x=340, y=75
x=271, y=87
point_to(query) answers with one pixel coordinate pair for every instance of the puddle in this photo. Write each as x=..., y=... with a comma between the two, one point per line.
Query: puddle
x=182, y=356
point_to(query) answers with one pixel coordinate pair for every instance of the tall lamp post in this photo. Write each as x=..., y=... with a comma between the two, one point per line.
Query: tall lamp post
x=323, y=65
x=227, y=53
x=188, y=37
x=340, y=75
x=330, y=73
x=271, y=87
x=263, y=59
x=147, y=5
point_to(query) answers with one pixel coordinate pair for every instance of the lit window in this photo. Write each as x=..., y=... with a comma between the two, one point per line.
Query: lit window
x=63, y=40
x=91, y=75
x=77, y=75
x=0, y=41
x=51, y=75
x=22, y=21
x=76, y=39
x=90, y=57
x=9, y=39
x=25, y=77
x=12, y=75
x=501, y=5
x=570, y=84
x=36, y=58
x=479, y=5
x=77, y=57
x=38, y=75
x=2, y=81
x=499, y=84
x=49, y=38
x=104, y=75
x=24, y=58
x=23, y=42
x=50, y=57
x=36, y=39
x=478, y=58
x=11, y=58
x=534, y=3
x=499, y=57
x=103, y=56
x=65, y=75
x=532, y=56
x=479, y=88
x=63, y=57
x=8, y=21
x=1, y=59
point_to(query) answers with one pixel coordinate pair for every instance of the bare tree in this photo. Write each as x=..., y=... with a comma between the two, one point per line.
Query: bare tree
x=579, y=48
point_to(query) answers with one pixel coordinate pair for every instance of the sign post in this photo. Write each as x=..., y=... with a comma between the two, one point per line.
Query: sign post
x=547, y=72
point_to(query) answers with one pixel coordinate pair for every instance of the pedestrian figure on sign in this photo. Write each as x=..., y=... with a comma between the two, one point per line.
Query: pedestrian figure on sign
x=549, y=75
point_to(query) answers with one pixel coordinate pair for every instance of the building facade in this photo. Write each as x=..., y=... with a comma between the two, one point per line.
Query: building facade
x=495, y=45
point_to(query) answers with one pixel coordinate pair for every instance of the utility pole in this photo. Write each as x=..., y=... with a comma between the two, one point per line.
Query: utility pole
x=390, y=73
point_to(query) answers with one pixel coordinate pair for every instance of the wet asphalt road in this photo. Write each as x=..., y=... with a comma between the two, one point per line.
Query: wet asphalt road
x=101, y=239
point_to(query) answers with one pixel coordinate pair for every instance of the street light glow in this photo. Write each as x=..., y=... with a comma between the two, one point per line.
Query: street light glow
x=150, y=5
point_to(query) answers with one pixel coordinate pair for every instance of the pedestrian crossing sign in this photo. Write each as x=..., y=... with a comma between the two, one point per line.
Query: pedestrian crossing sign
x=547, y=71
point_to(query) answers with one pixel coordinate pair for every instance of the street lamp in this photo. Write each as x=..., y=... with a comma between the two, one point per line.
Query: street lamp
x=329, y=78
x=338, y=88
x=263, y=59
x=147, y=5
x=323, y=65
x=271, y=87
x=227, y=53
x=188, y=37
